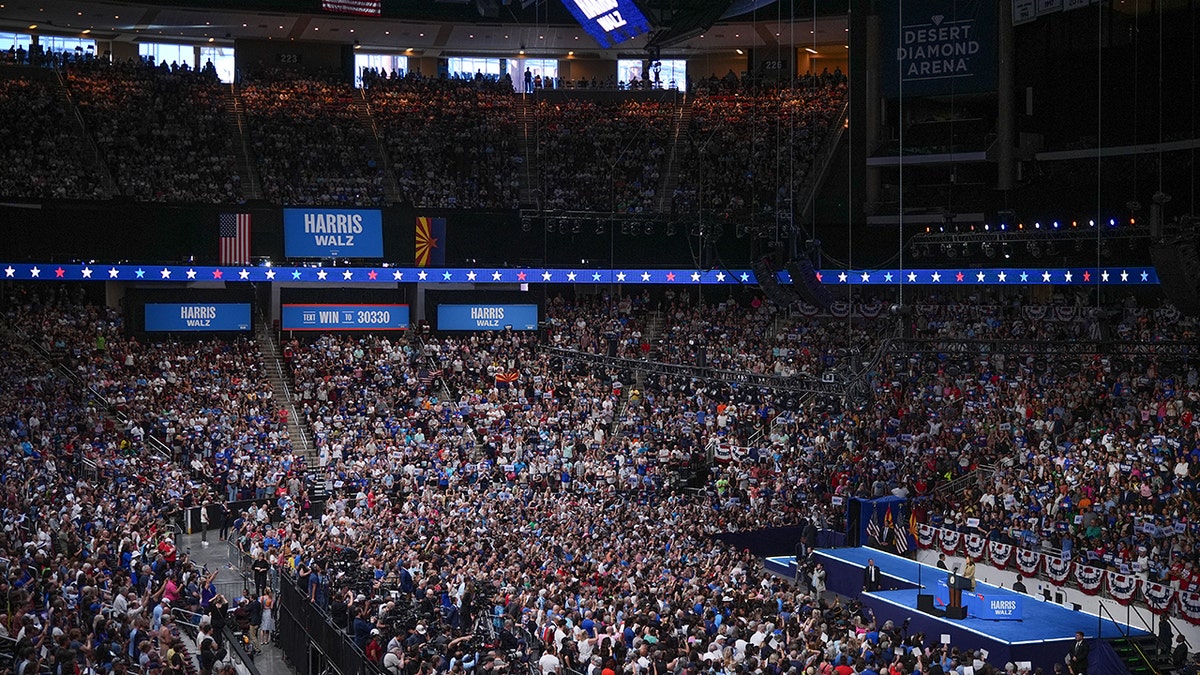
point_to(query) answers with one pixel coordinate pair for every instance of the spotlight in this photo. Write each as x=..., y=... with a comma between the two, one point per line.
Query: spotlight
x=526, y=225
x=966, y=250
x=549, y=226
x=989, y=249
x=1035, y=249
x=670, y=229
x=916, y=253
x=1007, y=251
x=949, y=250
x=599, y=227
x=575, y=227
x=649, y=229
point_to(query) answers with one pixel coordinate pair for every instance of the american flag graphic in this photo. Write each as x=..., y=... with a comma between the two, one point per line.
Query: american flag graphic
x=234, y=237
x=362, y=7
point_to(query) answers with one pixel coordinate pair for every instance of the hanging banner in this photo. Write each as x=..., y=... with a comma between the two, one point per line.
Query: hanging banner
x=1122, y=587
x=1158, y=596
x=1024, y=11
x=332, y=233
x=925, y=535
x=1028, y=561
x=938, y=48
x=1057, y=569
x=1189, y=607
x=999, y=554
x=975, y=546
x=949, y=540
x=197, y=317
x=1089, y=579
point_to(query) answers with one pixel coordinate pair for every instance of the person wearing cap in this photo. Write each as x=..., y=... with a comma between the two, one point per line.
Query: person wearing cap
x=374, y=650
x=393, y=660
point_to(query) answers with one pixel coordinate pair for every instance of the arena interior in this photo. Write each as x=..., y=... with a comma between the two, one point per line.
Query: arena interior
x=599, y=337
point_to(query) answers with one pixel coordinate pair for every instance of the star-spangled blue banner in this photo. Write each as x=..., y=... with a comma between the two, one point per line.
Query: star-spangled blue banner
x=1009, y=276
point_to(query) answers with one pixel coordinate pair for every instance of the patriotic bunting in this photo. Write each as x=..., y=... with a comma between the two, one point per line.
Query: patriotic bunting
x=999, y=553
x=975, y=546
x=1028, y=561
x=1089, y=578
x=1122, y=587
x=1057, y=569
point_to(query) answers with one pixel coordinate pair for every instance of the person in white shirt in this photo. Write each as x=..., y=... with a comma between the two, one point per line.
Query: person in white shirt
x=549, y=663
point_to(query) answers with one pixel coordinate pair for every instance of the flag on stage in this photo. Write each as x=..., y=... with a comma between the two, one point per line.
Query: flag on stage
x=431, y=241
x=234, y=237
x=873, y=527
x=901, y=540
x=361, y=7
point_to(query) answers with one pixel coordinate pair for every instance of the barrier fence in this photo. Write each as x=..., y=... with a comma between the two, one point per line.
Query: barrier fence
x=310, y=641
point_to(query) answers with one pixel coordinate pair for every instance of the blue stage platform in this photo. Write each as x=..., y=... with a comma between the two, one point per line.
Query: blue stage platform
x=1042, y=637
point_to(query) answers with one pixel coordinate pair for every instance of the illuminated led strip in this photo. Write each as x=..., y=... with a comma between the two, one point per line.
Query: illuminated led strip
x=1009, y=276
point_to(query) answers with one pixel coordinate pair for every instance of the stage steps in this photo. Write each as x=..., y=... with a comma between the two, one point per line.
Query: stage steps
x=1141, y=655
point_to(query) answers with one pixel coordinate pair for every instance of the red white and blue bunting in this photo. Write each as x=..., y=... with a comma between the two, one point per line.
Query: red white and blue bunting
x=926, y=535
x=1122, y=587
x=1028, y=561
x=1057, y=569
x=999, y=554
x=1158, y=596
x=949, y=541
x=975, y=546
x=1089, y=579
x=1189, y=606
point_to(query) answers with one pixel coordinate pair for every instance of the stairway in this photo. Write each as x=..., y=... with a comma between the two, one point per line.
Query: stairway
x=670, y=177
x=1141, y=655
x=268, y=346
x=234, y=116
x=654, y=325
x=80, y=130
x=377, y=151
x=530, y=197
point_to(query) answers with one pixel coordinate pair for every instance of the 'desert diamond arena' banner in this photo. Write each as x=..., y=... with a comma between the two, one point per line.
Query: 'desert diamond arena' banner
x=938, y=47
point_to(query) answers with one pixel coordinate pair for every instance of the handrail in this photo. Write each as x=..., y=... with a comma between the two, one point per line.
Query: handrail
x=236, y=649
x=266, y=335
x=1121, y=629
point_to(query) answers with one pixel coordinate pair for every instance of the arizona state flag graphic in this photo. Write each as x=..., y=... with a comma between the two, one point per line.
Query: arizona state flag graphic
x=431, y=241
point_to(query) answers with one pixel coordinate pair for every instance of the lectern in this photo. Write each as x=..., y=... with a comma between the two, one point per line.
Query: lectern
x=956, y=583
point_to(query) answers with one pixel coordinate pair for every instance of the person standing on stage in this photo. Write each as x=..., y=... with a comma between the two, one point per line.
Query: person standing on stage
x=969, y=572
x=872, y=576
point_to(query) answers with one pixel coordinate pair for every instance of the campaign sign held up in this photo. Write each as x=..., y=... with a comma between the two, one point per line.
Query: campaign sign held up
x=197, y=316
x=487, y=317
x=332, y=233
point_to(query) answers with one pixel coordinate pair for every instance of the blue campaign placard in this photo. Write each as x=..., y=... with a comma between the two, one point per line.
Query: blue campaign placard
x=344, y=317
x=332, y=233
x=197, y=316
x=487, y=317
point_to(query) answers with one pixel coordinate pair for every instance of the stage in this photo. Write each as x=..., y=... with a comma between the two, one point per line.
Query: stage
x=1042, y=636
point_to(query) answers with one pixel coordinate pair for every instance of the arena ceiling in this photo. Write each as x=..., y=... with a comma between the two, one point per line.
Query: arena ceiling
x=433, y=27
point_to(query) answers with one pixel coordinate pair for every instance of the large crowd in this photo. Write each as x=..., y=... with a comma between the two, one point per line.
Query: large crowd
x=453, y=143
x=310, y=143
x=606, y=157
x=749, y=150
x=36, y=134
x=164, y=132
x=501, y=489
x=161, y=130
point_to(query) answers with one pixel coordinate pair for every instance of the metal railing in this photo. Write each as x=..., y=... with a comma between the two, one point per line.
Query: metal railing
x=1145, y=660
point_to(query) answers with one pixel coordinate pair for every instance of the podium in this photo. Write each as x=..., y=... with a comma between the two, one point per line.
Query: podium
x=956, y=584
